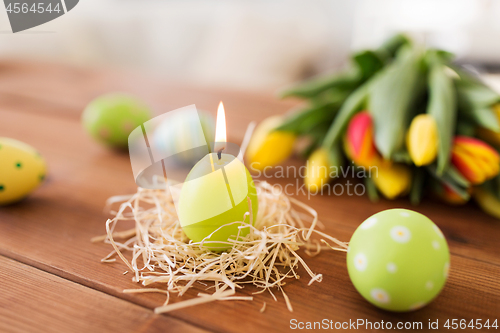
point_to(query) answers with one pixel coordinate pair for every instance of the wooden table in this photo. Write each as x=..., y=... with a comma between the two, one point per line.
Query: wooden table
x=51, y=275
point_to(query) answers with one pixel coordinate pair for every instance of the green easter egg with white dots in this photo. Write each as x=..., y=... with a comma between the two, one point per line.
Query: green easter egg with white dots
x=22, y=169
x=111, y=118
x=398, y=260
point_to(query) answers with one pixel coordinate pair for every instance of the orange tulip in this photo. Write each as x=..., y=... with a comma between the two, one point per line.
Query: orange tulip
x=476, y=160
x=359, y=144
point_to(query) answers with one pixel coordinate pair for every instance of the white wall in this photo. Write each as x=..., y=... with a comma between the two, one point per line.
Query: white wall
x=242, y=44
x=249, y=44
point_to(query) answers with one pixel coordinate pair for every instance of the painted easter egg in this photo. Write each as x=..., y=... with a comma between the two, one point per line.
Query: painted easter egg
x=180, y=132
x=110, y=118
x=398, y=260
x=22, y=169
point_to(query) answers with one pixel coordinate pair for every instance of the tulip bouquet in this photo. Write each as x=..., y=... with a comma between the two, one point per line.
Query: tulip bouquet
x=426, y=125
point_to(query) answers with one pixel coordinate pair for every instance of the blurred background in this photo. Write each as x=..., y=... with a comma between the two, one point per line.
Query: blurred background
x=252, y=45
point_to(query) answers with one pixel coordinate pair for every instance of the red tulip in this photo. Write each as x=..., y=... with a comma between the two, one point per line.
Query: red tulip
x=359, y=143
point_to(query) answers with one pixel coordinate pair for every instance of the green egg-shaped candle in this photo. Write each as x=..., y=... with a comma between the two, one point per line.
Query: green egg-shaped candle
x=214, y=194
x=398, y=260
x=110, y=118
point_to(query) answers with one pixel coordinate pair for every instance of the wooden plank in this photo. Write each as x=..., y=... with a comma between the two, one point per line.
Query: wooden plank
x=51, y=230
x=36, y=301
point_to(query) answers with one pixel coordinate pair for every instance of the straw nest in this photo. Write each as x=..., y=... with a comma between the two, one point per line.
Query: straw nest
x=158, y=252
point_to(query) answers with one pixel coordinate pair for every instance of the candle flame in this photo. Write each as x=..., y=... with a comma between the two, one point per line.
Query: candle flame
x=220, y=129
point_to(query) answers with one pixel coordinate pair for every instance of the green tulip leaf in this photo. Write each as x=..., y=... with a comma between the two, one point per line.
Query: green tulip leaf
x=352, y=104
x=348, y=80
x=402, y=156
x=475, y=100
x=364, y=65
x=456, y=176
x=442, y=107
x=391, y=46
x=368, y=62
x=304, y=121
x=452, y=179
x=477, y=92
x=487, y=118
x=393, y=97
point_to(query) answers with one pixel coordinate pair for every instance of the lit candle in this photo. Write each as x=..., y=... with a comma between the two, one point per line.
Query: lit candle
x=215, y=193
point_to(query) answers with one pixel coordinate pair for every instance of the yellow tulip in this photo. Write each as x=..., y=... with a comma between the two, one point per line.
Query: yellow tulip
x=392, y=179
x=317, y=170
x=422, y=140
x=267, y=146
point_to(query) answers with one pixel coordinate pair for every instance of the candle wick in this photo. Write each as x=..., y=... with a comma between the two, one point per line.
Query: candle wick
x=219, y=153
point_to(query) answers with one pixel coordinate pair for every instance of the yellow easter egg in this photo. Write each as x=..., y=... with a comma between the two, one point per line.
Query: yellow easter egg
x=22, y=169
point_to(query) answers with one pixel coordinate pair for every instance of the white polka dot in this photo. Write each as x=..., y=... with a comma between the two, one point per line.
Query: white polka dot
x=429, y=285
x=401, y=234
x=438, y=231
x=391, y=267
x=369, y=223
x=446, y=270
x=360, y=262
x=435, y=245
x=380, y=296
x=405, y=214
x=417, y=306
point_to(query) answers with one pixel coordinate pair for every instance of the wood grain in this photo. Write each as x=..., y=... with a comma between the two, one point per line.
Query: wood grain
x=36, y=301
x=51, y=230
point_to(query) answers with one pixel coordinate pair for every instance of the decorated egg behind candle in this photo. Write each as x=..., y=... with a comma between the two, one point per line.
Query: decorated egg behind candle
x=22, y=169
x=179, y=132
x=398, y=260
x=110, y=118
